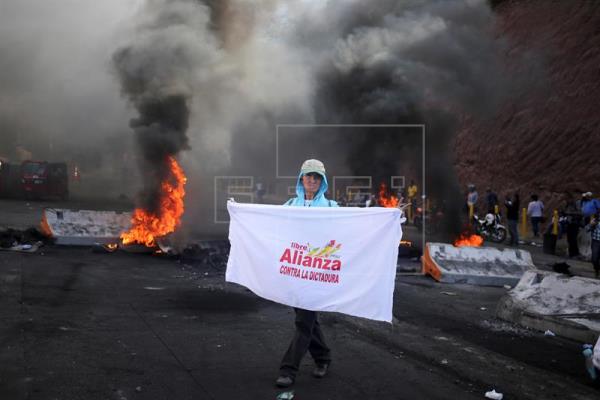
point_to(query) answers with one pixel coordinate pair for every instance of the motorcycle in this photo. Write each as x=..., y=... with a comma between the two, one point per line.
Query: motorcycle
x=490, y=228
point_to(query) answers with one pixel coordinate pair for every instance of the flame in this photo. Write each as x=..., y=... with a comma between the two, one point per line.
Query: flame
x=390, y=201
x=147, y=226
x=112, y=246
x=466, y=239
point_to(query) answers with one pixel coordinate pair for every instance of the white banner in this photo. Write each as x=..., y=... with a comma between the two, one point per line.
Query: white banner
x=339, y=259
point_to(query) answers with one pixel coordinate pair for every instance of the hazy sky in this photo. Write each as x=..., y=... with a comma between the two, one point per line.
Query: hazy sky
x=56, y=83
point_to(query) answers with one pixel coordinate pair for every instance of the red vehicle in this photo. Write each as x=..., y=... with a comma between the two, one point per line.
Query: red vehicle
x=44, y=179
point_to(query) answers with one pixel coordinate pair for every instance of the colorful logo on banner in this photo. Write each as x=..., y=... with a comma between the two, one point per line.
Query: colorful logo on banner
x=321, y=264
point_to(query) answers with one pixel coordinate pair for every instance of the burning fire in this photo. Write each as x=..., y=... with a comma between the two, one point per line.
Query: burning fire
x=466, y=239
x=390, y=201
x=147, y=226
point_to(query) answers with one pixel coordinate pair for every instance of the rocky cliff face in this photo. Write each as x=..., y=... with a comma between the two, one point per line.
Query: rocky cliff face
x=546, y=139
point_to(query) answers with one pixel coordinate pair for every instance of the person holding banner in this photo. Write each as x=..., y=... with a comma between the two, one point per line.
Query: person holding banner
x=314, y=256
x=310, y=190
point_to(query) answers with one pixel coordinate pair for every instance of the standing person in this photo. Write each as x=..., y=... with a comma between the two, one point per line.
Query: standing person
x=584, y=240
x=371, y=201
x=535, y=211
x=472, y=197
x=412, y=191
x=260, y=191
x=594, y=229
x=592, y=210
x=512, y=216
x=492, y=200
x=582, y=204
x=310, y=190
x=574, y=218
x=357, y=199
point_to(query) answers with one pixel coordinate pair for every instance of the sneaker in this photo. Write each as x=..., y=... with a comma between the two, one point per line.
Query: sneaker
x=320, y=370
x=284, y=381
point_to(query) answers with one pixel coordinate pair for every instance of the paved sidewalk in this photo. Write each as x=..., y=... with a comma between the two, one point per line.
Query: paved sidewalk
x=545, y=261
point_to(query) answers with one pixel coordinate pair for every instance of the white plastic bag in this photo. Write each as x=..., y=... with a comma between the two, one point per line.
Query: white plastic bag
x=494, y=395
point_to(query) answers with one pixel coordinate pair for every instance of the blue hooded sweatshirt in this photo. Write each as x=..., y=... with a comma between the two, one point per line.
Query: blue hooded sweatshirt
x=319, y=199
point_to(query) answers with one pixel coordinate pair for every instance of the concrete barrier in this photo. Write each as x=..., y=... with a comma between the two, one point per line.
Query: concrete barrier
x=487, y=266
x=84, y=227
x=567, y=306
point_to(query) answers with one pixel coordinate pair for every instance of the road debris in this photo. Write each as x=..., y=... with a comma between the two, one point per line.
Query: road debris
x=492, y=394
x=165, y=247
x=24, y=248
x=502, y=326
x=104, y=247
x=27, y=241
x=549, y=333
x=285, y=395
x=562, y=268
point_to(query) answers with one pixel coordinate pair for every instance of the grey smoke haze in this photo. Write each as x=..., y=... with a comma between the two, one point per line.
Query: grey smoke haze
x=217, y=76
x=57, y=97
x=391, y=62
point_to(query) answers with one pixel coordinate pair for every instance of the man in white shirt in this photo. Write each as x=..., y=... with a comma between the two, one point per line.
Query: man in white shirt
x=535, y=211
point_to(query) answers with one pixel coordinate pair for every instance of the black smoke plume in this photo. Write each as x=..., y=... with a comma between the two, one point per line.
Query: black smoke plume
x=157, y=75
x=409, y=62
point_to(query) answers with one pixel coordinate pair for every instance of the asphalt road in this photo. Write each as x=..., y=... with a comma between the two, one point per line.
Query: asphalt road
x=80, y=325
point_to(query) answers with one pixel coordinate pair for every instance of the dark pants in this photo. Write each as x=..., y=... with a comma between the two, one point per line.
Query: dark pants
x=308, y=337
x=514, y=232
x=535, y=224
x=572, y=231
x=596, y=255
